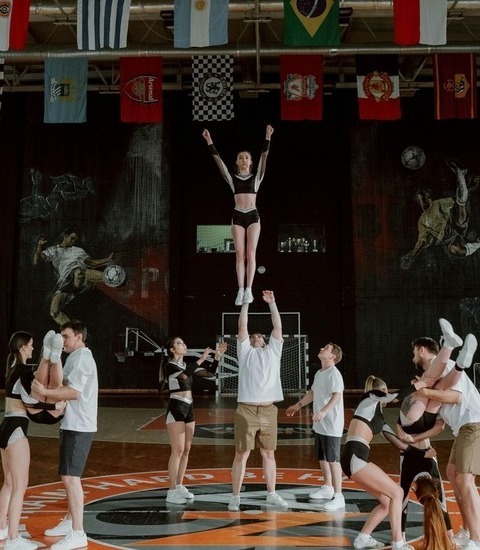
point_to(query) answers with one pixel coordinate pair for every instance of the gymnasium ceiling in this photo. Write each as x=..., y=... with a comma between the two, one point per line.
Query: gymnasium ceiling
x=255, y=41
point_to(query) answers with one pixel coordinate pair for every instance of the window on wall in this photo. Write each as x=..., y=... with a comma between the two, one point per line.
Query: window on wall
x=214, y=239
x=301, y=238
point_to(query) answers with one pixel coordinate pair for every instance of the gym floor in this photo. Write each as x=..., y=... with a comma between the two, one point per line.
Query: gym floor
x=125, y=483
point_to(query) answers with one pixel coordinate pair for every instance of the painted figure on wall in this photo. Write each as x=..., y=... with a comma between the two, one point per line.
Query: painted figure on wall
x=75, y=270
x=445, y=221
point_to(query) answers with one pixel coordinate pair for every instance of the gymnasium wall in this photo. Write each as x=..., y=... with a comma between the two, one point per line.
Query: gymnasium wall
x=140, y=191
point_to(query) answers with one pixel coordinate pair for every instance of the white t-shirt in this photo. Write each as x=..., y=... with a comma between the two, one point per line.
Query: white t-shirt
x=80, y=373
x=259, y=372
x=65, y=260
x=465, y=412
x=325, y=383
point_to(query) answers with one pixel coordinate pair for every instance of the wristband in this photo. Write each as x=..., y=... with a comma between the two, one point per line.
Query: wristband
x=212, y=149
x=266, y=146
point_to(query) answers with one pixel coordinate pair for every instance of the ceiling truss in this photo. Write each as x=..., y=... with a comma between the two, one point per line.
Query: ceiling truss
x=255, y=42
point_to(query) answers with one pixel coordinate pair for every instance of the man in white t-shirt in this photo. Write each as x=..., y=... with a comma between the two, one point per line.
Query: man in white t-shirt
x=259, y=387
x=328, y=424
x=461, y=411
x=77, y=430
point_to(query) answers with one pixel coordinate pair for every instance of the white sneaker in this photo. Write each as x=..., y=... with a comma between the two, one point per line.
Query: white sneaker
x=325, y=492
x=184, y=492
x=239, y=298
x=276, y=500
x=450, y=339
x=57, y=348
x=75, y=539
x=462, y=537
x=62, y=529
x=337, y=503
x=248, y=296
x=20, y=544
x=47, y=344
x=361, y=543
x=471, y=545
x=4, y=533
x=174, y=497
x=234, y=504
x=404, y=546
x=465, y=357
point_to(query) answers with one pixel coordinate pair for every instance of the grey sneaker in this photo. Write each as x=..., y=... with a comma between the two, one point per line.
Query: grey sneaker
x=337, y=503
x=239, y=298
x=247, y=296
x=450, y=339
x=20, y=544
x=462, y=537
x=370, y=542
x=276, y=500
x=75, y=539
x=325, y=492
x=465, y=357
x=234, y=504
x=175, y=498
x=62, y=529
x=184, y=492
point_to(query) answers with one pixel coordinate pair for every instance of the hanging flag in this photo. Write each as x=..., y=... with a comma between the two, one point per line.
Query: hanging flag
x=102, y=24
x=65, y=97
x=200, y=24
x=301, y=85
x=212, y=77
x=14, y=15
x=455, y=84
x=311, y=23
x=378, y=87
x=420, y=22
x=141, y=89
x=2, y=79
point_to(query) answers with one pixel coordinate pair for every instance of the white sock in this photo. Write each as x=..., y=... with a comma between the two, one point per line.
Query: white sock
x=362, y=537
x=337, y=495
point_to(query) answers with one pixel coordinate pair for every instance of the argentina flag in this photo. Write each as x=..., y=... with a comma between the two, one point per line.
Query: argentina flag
x=102, y=24
x=200, y=23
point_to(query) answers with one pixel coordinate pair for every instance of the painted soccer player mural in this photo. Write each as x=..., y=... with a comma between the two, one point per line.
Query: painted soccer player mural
x=76, y=272
x=445, y=221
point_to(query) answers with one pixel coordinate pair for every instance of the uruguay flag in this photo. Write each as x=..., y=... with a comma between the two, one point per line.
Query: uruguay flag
x=102, y=23
x=200, y=23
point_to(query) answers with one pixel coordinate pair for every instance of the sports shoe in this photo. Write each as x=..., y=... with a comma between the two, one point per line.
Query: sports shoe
x=450, y=339
x=361, y=543
x=325, y=492
x=234, y=504
x=19, y=544
x=276, y=500
x=4, y=533
x=464, y=359
x=337, y=503
x=75, y=539
x=57, y=348
x=248, y=296
x=62, y=529
x=404, y=546
x=184, y=492
x=47, y=344
x=471, y=545
x=239, y=298
x=174, y=497
x=462, y=537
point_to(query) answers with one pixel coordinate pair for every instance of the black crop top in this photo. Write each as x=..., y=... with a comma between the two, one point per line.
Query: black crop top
x=18, y=380
x=369, y=410
x=179, y=376
x=244, y=184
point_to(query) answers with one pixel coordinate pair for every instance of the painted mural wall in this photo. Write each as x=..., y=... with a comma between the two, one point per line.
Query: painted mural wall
x=399, y=233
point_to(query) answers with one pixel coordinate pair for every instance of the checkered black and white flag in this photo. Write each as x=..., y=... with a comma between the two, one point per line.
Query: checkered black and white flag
x=212, y=87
